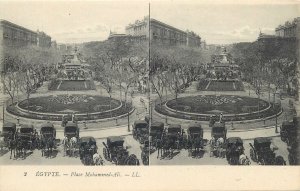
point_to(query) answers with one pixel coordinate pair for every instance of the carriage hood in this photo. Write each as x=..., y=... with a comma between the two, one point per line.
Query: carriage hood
x=234, y=140
x=47, y=127
x=7, y=127
x=140, y=124
x=115, y=141
x=26, y=129
x=195, y=128
x=174, y=128
x=84, y=140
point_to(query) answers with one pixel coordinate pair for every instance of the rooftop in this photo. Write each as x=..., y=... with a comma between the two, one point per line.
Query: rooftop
x=5, y=22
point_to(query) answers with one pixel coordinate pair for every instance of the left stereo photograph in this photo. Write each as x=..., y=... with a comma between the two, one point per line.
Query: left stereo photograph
x=74, y=85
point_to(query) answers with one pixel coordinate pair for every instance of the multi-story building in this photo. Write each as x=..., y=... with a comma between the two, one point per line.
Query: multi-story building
x=12, y=35
x=43, y=40
x=289, y=29
x=161, y=33
x=192, y=39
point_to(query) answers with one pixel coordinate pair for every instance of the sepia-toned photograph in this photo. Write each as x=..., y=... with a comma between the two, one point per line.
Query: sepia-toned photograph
x=74, y=84
x=224, y=84
x=108, y=83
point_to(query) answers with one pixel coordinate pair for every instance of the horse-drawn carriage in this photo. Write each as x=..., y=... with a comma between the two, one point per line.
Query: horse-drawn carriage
x=27, y=136
x=70, y=142
x=288, y=132
x=47, y=138
x=218, y=137
x=87, y=148
x=194, y=138
x=174, y=135
x=8, y=131
x=156, y=133
x=234, y=148
x=140, y=131
x=115, y=152
x=8, y=136
x=219, y=130
x=145, y=153
x=71, y=130
x=262, y=153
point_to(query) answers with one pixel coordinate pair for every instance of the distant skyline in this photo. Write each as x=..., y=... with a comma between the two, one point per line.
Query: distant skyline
x=76, y=22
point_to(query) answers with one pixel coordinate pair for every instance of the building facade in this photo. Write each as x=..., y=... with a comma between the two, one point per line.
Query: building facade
x=161, y=33
x=289, y=29
x=43, y=40
x=12, y=35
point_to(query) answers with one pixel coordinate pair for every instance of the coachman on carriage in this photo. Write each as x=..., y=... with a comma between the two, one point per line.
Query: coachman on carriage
x=218, y=137
x=194, y=138
x=115, y=152
x=140, y=131
x=87, y=149
x=27, y=136
x=156, y=133
x=47, y=138
x=262, y=153
x=70, y=142
x=8, y=131
x=174, y=136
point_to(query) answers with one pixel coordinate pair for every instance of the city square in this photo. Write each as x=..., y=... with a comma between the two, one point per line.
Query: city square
x=160, y=92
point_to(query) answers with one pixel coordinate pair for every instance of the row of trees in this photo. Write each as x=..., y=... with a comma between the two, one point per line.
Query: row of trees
x=264, y=63
x=117, y=64
x=172, y=68
x=24, y=69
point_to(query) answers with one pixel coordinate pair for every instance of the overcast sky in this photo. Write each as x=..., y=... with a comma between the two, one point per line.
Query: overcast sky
x=223, y=24
x=69, y=22
x=91, y=21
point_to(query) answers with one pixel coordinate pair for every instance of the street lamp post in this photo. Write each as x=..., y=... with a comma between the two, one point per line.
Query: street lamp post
x=276, y=130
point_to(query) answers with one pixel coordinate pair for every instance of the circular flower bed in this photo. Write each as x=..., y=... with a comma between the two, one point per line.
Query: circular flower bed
x=201, y=108
x=67, y=102
x=210, y=103
x=86, y=107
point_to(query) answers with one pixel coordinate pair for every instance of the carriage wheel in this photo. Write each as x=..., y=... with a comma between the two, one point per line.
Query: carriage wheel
x=145, y=159
x=116, y=161
x=252, y=155
x=233, y=161
x=292, y=160
x=132, y=160
x=262, y=161
x=279, y=160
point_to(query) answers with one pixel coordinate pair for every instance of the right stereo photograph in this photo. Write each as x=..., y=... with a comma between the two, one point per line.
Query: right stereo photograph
x=223, y=84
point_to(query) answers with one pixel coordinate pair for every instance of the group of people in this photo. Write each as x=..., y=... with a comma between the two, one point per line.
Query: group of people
x=213, y=118
x=65, y=119
x=217, y=147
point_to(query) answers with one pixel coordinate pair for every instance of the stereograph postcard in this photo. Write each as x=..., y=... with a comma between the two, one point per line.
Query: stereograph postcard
x=149, y=95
